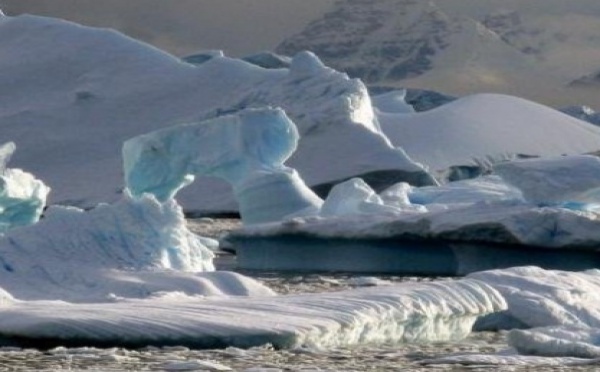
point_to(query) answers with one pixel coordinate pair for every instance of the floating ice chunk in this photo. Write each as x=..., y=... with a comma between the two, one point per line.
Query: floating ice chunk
x=481, y=189
x=562, y=341
x=354, y=197
x=130, y=249
x=22, y=196
x=563, y=307
x=392, y=102
x=410, y=312
x=540, y=298
x=247, y=150
x=555, y=180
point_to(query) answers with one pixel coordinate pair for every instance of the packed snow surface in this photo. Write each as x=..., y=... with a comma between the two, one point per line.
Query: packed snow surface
x=485, y=125
x=22, y=196
x=247, y=150
x=116, y=88
x=405, y=312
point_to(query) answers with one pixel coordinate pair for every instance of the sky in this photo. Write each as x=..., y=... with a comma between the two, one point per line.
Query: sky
x=182, y=27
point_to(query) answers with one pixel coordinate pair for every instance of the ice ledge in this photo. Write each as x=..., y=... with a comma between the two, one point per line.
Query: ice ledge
x=397, y=313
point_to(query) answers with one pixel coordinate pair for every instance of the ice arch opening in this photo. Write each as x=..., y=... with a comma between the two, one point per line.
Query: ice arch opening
x=247, y=150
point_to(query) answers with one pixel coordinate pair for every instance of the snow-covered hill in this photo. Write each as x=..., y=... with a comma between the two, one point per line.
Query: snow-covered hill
x=461, y=48
x=483, y=125
x=71, y=95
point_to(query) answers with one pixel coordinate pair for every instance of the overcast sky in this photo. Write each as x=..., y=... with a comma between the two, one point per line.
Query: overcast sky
x=240, y=27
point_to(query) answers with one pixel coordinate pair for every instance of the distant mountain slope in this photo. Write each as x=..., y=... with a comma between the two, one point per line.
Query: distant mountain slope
x=437, y=45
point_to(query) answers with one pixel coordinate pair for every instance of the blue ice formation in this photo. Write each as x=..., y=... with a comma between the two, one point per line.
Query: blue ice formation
x=22, y=196
x=246, y=149
x=129, y=248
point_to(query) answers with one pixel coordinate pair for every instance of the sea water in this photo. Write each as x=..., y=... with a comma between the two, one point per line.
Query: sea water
x=387, y=357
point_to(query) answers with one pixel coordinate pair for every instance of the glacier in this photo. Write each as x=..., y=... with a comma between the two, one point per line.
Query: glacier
x=101, y=101
x=393, y=313
x=22, y=196
x=247, y=150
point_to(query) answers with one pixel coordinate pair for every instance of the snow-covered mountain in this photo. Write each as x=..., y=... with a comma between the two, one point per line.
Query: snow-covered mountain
x=444, y=46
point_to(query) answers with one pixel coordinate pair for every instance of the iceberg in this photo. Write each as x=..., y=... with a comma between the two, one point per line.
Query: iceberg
x=132, y=248
x=247, y=150
x=487, y=125
x=557, y=310
x=22, y=196
x=557, y=341
x=541, y=298
x=101, y=101
x=354, y=197
x=409, y=312
x=557, y=180
x=454, y=229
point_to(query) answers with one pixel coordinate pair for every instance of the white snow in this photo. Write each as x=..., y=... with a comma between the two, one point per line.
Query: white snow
x=405, y=312
x=22, y=196
x=116, y=88
x=247, y=150
x=488, y=125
